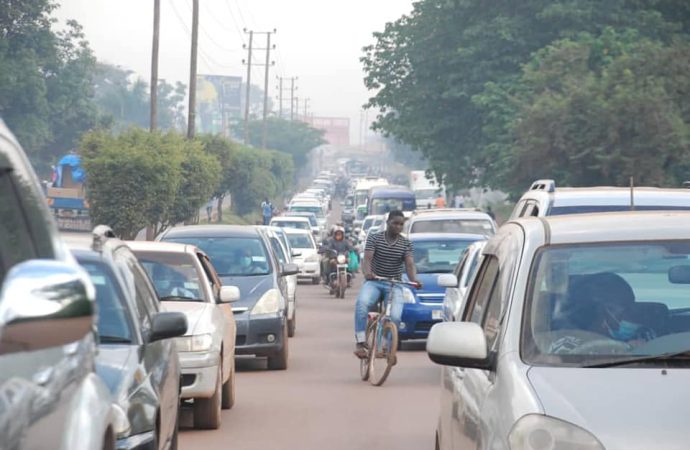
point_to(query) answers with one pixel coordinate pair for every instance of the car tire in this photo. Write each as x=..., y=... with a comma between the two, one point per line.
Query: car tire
x=229, y=388
x=280, y=361
x=292, y=324
x=207, y=410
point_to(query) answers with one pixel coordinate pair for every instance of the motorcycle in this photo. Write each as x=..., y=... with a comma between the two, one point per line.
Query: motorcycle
x=339, y=279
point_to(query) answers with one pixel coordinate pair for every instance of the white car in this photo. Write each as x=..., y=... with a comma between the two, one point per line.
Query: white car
x=312, y=207
x=309, y=261
x=450, y=221
x=186, y=281
x=375, y=220
x=456, y=283
x=301, y=223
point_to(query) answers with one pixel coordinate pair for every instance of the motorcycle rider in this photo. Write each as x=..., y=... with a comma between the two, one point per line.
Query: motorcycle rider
x=335, y=245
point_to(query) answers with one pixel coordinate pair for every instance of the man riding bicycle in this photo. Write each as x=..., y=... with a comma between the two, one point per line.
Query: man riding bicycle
x=385, y=254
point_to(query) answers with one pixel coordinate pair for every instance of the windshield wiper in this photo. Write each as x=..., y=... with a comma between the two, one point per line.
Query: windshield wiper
x=179, y=298
x=677, y=356
x=113, y=340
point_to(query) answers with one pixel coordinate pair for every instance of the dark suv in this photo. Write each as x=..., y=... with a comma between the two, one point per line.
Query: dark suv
x=50, y=396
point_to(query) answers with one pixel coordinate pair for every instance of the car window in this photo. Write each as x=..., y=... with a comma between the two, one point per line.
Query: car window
x=589, y=303
x=461, y=264
x=114, y=322
x=175, y=276
x=211, y=274
x=278, y=250
x=17, y=243
x=438, y=256
x=301, y=241
x=232, y=256
x=144, y=298
x=481, y=291
x=471, y=226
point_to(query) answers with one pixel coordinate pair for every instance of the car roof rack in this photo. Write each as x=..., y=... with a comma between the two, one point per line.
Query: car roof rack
x=544, y=185
x=100, y=234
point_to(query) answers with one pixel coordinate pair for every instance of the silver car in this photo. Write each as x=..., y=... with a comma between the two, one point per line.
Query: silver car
x=456, y=283
x=575, y=335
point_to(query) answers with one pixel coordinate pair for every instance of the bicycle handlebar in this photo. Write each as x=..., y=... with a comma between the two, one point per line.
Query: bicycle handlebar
x=394, y=281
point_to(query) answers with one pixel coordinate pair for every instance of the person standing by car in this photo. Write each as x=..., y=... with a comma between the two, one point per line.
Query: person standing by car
x=267, y=211
x=385, y=254
x=440, y=201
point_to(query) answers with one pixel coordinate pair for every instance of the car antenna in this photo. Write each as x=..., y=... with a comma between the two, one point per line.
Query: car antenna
x=632, y=193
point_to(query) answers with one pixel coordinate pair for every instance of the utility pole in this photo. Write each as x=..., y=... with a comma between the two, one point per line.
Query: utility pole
x=192, y=70
x=249, y=85
x=280, y=97
x=292, y=98
x=154, y=65
x=306, y=107
x=268, y=66
x=296, y=108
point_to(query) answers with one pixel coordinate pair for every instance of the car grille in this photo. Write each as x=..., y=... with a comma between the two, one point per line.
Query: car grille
x=431, y=298
x=424, y=326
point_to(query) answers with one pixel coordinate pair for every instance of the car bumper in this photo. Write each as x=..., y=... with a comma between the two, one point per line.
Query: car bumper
x=309, y=270
x=141, y=441
x=417, y=320
x=259, y=335
x=199, y=373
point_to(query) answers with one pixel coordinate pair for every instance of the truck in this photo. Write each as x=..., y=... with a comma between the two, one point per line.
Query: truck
x=425, y=189
x=66, y=195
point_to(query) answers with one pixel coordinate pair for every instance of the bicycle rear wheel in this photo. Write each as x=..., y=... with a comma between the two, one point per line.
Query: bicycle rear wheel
x=364, y=363
x=383, y=352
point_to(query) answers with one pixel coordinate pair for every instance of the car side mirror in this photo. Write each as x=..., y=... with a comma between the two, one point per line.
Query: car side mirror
x=45, y=304
x=459, y=344
x=289, y=269
x=229, y=294
x=447, y=280
x=168, y=325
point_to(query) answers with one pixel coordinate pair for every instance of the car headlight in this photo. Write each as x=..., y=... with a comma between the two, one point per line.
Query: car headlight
x=537, y=432
x=269, y=303
x=196, y=343
x=121, y=425
x=312, y=258
x=407, y=295
x=342, y=259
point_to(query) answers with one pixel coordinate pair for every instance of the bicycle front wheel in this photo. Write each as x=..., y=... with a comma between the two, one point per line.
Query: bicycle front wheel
x=383, y=356
x=364, y=363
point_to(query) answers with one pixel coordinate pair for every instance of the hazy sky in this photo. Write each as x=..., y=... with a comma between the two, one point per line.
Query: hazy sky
x=319, y=41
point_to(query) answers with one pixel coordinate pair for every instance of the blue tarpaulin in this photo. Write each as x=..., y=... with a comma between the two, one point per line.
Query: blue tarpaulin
x=73, y=162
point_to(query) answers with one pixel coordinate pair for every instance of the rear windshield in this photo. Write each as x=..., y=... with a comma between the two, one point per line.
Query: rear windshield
x=232, y=256
x=290, y=224
x=174, y=276
x=312, y=209
x=300, y=241
x=453, y=226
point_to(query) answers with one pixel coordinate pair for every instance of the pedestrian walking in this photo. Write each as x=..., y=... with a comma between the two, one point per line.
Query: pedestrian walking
x=267, y=211
x=209, y=209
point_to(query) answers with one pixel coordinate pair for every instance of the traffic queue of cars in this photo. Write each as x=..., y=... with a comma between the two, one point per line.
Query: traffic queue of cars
x=570, y=327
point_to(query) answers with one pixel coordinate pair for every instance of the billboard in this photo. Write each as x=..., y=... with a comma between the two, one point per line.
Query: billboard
x=218, y=99
x=337, y=129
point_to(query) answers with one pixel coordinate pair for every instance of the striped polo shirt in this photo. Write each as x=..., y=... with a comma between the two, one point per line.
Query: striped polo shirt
x=389, y=258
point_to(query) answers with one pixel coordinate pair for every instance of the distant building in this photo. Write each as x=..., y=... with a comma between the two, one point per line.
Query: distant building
x=337, y=129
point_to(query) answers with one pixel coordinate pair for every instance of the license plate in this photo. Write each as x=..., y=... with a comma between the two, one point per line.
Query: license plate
x=437, y=314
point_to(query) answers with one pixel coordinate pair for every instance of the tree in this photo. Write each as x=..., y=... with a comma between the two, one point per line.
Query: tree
x=292, y=137
x=45, y=90
x=441, y=76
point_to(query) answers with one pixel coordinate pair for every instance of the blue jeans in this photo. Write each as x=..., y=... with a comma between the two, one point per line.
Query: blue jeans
x=267, y=220
x=369, y=294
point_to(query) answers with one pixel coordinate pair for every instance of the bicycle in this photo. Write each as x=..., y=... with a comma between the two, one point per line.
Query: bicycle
x=381, y=338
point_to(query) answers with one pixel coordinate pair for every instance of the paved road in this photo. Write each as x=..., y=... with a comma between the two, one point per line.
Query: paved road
x=320, y=402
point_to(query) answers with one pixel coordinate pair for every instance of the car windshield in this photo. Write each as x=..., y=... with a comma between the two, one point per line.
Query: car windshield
x=586, y=209
x=114, y=326
x=317, y=210
x=310, y=216
x=232, y=256
x=438, y=256
x=594, y=303
x=174, y=275
x=292, y=224
x=470, y=226
x=301, y=241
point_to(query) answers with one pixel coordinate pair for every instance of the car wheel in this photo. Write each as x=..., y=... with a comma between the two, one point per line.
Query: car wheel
x=280, y=361
x=229, y=388
x=207, y=410
x=292, y=324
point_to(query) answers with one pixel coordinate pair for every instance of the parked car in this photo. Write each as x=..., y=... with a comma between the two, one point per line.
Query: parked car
x=574, y=335
x=309, y=261
x=544, y=199
x=137, y=357
x=186, y=281
x=453, y=220
x=434, y=254
x=280, y=245
x=242, y=257
x=50, y=395
x=456, y=283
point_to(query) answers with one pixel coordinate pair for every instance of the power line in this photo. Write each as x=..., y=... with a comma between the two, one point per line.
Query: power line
x=210, y=38
x=232, y=17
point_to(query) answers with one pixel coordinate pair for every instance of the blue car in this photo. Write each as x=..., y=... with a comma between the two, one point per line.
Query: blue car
x=434, y=254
